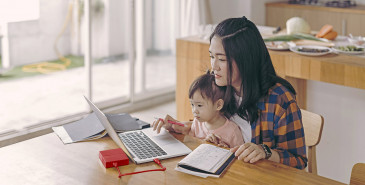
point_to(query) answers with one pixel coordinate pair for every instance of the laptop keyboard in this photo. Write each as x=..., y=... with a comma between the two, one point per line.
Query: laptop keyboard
x=141, y=145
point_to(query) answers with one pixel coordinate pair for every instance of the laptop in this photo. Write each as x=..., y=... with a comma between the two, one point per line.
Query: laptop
x=144, y=145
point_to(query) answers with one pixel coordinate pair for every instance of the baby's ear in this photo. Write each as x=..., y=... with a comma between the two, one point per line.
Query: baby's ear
x=219, y=103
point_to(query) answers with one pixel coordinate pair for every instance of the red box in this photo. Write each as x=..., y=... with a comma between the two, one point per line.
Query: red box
x=108, y=157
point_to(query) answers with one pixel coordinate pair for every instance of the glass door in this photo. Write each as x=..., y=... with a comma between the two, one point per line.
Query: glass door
x=112, y=53
x=155, y=57
x=44, y=79
x=123, y=52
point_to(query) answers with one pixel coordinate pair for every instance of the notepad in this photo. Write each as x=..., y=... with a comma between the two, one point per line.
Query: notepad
x=90, y=128
x=206, y=160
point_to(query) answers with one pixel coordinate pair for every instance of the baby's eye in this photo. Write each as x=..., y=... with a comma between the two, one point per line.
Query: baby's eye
x=212, y=57
x=200, y=105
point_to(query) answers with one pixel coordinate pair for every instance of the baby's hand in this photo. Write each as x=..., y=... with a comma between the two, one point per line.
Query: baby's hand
x=159, y=123
x=215, y=139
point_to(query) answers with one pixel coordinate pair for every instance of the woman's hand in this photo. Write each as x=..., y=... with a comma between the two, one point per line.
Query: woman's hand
x=249, y=152
x=216, y=140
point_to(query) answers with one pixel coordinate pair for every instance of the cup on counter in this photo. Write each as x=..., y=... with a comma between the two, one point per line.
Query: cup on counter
x=357, y=40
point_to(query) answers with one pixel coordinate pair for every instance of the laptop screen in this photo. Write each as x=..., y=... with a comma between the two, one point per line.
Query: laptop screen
x=108, y=127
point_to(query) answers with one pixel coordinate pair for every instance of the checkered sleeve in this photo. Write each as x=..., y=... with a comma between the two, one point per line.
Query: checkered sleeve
x=290, y=143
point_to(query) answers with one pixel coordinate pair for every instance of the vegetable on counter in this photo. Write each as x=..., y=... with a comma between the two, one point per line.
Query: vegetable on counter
x=324, y=30
x=349, y=48
x=295, y=36
x=297, y=25
x=312, y=50
x=327, y=32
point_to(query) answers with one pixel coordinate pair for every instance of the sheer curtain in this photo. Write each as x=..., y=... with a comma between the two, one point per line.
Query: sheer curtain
x=194, y=15
x=185, y=18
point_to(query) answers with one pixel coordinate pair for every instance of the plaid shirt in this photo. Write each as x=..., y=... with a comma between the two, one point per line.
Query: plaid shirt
x=280, y=127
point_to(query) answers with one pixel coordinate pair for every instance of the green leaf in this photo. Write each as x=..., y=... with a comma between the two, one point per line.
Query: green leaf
x=295, y=36
x=281, y=38
x=305, y=36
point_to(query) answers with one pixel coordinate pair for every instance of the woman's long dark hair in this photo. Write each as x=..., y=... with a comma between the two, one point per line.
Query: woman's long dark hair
x=242, y=42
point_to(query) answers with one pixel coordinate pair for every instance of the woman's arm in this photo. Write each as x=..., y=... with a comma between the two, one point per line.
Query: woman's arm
x=286, y=140
x=290, y=141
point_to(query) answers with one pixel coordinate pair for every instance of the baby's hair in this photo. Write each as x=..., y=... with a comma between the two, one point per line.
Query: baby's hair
x=207, y=87
x=211, y=91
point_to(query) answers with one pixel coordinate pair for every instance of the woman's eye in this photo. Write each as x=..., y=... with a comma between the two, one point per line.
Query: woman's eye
x=222, y=59
x=200, y=105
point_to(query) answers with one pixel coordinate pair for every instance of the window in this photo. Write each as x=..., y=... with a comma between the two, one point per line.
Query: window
x=47, y=78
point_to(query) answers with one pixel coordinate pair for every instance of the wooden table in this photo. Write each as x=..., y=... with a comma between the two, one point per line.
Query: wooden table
x=46, y=160
x=192, y=60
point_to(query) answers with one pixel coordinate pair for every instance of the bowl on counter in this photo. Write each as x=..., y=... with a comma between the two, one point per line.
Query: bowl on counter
x=311, y=50
x=350, y=50
x=277, y=45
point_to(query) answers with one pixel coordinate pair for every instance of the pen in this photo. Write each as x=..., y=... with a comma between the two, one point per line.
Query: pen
x=172, y=122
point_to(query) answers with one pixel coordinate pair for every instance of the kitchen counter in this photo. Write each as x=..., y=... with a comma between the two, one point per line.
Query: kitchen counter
x=192, y=60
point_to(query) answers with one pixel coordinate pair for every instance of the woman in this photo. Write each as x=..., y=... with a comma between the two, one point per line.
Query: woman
x=266, y=109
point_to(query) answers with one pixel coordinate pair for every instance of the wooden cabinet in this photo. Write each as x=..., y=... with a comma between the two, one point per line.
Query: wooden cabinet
x=344, y=20
x=192, y=60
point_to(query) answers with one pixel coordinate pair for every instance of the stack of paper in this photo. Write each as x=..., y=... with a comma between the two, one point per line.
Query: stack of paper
x=90, y=128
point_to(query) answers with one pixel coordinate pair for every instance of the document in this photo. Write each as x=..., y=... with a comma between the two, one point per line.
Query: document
x=90, y=128
x=206, y=160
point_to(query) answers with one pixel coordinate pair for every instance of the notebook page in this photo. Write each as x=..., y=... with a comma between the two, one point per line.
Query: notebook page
x=207, y=157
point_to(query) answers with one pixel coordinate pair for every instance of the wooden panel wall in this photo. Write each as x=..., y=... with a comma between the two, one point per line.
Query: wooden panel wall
x=344, y=20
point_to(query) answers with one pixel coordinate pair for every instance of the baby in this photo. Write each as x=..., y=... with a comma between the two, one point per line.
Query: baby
x=210, y=115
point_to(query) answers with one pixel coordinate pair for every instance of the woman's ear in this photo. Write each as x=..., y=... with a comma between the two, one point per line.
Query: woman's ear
x=219, y=103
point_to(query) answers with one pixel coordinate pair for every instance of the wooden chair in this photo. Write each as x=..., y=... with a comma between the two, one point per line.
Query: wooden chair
x=358, y=174
x=313, y=125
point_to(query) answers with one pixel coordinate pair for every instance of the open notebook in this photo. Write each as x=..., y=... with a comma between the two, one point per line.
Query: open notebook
x=206, y=160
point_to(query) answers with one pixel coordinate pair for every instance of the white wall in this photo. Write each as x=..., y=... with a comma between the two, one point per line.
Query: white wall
x=342, y=144
x=258, y=13
x=254, y=10
x=232, y=8
x=32, y=41
x=19, y=10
